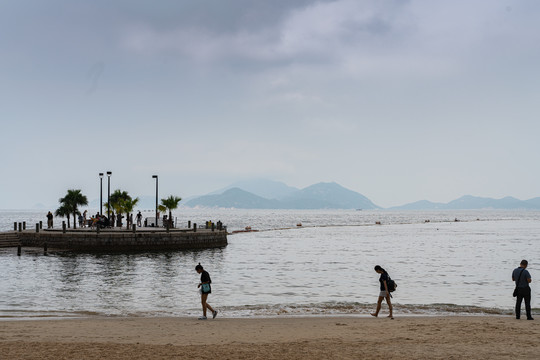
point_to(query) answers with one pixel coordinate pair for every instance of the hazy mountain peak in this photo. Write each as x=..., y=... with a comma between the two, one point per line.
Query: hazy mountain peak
x=281, y=196
x=265, y=188
x=268, y=194
x=474, y=202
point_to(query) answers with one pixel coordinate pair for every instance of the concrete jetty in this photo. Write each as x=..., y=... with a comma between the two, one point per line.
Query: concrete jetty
x=116, y=240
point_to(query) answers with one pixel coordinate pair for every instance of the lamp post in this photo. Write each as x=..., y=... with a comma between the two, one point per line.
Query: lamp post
x=156, y=177
x=100, y=193
x=109, y=194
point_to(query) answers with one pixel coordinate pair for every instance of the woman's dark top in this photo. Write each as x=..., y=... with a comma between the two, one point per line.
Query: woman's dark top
x=205, y=278
x=384, y=277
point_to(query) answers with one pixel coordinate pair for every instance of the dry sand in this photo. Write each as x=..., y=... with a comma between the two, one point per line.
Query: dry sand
x=481, y=337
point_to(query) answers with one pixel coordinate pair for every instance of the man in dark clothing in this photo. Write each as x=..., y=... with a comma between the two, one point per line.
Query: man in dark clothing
x=139, y=219
x=49, y=220
x=522, y=278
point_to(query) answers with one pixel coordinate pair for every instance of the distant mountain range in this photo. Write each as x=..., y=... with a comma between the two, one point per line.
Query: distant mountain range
x=469, y=202
x=267, y=194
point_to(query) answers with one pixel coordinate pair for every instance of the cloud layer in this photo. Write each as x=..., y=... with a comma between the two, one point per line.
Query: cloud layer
x=399, y=100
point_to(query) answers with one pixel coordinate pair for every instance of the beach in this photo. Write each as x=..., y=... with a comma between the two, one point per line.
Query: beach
x=297, y=293
x=452, y=337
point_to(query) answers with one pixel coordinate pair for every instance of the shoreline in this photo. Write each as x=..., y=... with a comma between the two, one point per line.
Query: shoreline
x=353, y=310
x=248, y=317
x=322, y=337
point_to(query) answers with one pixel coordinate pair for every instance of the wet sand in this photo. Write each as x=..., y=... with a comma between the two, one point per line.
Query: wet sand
x=475, y=337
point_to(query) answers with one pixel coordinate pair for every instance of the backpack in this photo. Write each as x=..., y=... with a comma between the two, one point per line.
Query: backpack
x=391, y=285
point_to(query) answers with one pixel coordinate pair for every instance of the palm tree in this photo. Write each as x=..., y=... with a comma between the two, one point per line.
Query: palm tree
x=122, y=202
x=71, y=201
x=63, y=211
x=161, y=210
x=170, y=204
x=129, y=205
x=117, y=200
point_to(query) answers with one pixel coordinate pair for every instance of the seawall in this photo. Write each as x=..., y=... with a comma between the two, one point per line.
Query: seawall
x=124, y=240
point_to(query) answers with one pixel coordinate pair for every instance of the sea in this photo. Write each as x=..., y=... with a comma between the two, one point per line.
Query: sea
x=292, y=263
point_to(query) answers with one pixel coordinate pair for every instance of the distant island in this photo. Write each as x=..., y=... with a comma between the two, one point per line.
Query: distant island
x=469, y=202
x=267, y=194
x=280, y=196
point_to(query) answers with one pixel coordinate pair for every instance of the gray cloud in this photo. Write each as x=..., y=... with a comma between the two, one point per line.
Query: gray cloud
x=431, y=99
x=301, y=33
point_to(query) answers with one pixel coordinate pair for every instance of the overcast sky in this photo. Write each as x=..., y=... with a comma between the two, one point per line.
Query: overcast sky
x=398, y=100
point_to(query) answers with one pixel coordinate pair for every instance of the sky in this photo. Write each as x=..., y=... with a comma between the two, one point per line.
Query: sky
x=398, y=100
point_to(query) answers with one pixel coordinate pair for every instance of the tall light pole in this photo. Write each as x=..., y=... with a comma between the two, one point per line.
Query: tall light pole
x=156, y=177
x=100, y=193
x=109, y=194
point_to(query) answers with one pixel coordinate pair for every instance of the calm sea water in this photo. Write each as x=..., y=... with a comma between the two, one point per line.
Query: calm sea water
x=323, y=267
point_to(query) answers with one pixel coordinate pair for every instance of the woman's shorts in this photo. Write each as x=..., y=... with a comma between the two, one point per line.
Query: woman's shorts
x=383, y=293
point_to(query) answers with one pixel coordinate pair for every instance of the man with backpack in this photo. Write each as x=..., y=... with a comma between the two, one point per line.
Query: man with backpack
x=523, y=291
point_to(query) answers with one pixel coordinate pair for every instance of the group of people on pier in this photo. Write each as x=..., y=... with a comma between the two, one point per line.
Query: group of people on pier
x=99, y=220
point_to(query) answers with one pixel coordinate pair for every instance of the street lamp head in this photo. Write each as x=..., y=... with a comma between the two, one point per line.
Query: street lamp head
x=109, y=173
x=100, y=175
x=154, y=176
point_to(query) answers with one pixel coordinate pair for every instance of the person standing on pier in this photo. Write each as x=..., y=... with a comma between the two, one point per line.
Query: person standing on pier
x=205, y=290
x=522, y=277
x=50, y=220
x=139, y=219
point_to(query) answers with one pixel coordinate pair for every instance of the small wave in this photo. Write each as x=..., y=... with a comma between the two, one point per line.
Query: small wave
x=39, y=314
x=277, y=310
x=353, y=308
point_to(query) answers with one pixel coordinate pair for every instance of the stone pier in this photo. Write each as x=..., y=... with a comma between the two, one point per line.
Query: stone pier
x=84, y=240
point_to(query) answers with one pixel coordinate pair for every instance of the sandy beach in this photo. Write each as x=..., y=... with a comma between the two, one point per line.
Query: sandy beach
x=481, y=337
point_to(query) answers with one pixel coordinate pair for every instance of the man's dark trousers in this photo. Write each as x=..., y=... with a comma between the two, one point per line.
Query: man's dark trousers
x=523, y=293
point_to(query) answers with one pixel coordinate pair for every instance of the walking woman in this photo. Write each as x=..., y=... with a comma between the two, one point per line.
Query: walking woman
x=384, y=294
x=205, y=290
